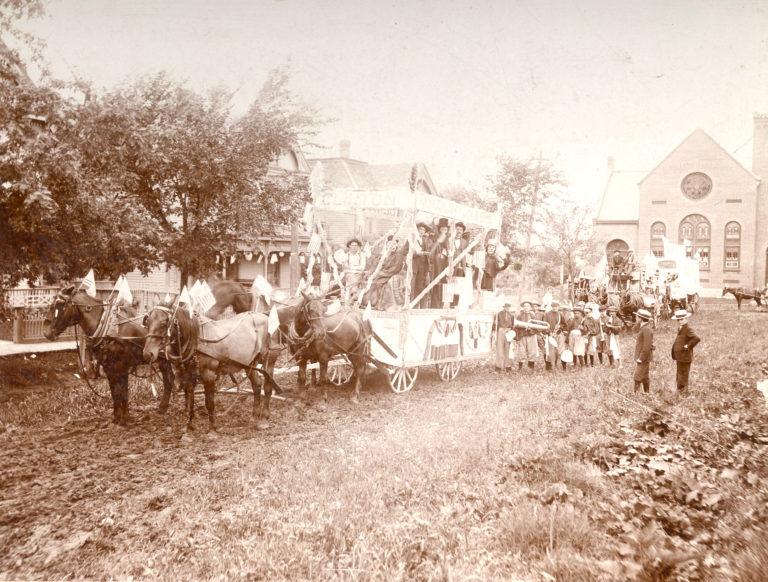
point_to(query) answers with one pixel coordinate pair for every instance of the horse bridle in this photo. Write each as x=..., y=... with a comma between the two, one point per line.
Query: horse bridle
x=66, y=300
x=185, y=354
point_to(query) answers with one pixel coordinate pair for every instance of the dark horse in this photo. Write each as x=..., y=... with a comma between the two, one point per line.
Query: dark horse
x=319, y=336
x=740, y=294
x=210, y=349
x=117, y=354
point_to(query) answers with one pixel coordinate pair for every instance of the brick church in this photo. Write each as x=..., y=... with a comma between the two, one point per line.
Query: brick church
x=699, y=195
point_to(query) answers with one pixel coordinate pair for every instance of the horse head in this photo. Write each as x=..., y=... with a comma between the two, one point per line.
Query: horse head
x=61, y=313
x=726, y=290
x=171, y=329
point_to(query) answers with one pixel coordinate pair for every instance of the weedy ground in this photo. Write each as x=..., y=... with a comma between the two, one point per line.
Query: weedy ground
x=564, y=476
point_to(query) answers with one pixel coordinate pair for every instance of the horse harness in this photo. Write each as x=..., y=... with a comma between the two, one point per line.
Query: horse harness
x=186, y=351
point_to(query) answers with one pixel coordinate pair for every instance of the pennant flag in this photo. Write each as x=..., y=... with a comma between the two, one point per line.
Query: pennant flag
x=262, y=287
x=367, y=312
x=124, y=291
x=204, y=298
x=185, y=299
x=88, y=284
x=194, y=290
x=168, y=298
x=274, y=320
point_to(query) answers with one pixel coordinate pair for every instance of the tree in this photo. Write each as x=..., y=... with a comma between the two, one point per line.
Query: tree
x=522, y=188
x=201, y=174
x=569, y=237
x=58, y=216
x=468, y=196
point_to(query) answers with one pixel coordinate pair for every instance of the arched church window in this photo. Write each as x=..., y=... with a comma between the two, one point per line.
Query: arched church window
x=695, y=234
x=658, y=232
x=732, y=246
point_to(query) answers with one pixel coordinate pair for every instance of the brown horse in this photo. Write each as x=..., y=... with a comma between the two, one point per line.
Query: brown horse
x=210, y=349
x=740, y=294
x=320, y=336
x=118, y=353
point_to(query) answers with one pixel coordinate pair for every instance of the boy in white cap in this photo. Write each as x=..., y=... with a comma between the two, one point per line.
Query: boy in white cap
x=643, y=352
x=682, y=348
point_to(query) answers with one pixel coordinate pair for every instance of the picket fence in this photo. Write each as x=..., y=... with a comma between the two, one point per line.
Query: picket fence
x=30, y=307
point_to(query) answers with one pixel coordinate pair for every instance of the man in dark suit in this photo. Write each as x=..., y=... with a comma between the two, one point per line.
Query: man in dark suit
x=682, y=348
x=643, y=352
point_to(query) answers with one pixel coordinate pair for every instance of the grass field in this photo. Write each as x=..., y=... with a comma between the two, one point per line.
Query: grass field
x=565, y=476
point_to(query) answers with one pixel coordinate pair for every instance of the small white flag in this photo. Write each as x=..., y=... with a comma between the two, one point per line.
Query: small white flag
x=205, y=298
x=301, y=287
x=274, y=320
x=262, y=287
x=367, y=312
x=185, y=299
x=273, y=259
x=124, y=291
x=168, y=298
x=89, y=284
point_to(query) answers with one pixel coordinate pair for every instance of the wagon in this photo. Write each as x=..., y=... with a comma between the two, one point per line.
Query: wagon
x=408, y=339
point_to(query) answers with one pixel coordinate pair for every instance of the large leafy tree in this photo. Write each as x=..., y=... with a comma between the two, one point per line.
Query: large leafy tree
x=569, y=237
x=198, y=171
x=522, y=189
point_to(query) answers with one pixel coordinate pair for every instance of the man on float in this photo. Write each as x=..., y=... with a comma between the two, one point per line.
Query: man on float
x=460, y=243
x=439, y=260
x=353, y=269
x=421, y=268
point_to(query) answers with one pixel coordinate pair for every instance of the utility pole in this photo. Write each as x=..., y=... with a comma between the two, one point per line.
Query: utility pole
x=294, y=258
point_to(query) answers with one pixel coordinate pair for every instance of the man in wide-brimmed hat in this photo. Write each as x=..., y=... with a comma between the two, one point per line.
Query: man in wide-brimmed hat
x=682, y=348
x=421, y=250
x=643, y=352
x=353, y=267
x=554, y=344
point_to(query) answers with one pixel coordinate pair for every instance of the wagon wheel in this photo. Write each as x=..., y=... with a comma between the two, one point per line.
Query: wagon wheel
x=448, y=370
x=402, y=378
x=341, y=374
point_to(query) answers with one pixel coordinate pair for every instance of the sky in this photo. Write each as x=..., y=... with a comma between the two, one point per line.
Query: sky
x=453, y=84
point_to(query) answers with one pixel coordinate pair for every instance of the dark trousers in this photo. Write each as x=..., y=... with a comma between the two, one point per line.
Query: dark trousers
x=683, y=370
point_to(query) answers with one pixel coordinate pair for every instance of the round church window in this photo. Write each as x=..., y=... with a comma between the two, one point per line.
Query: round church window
x=696, y=185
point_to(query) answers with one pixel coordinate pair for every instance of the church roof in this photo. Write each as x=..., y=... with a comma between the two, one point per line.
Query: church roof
x=359, y=175
x=621, y=199
x=698, y=132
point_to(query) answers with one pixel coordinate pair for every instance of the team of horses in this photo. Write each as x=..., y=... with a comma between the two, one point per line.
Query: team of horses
x=200, y=349
x=740, y=294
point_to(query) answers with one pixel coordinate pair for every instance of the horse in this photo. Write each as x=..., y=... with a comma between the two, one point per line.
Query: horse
x=631, y=301
x=209, y=349
x=740, y=294
x=232, y=293
x=321, y=335
x=117, y=354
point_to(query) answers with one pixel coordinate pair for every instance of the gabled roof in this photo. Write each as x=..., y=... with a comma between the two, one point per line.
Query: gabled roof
x=621, y=199
x=358, y=175
x=696, y=132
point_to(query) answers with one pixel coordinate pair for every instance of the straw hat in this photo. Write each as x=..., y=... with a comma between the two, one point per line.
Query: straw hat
x=644, y=313
x=681, y=314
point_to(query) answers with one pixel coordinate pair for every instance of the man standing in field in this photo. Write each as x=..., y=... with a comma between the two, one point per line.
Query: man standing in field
x=528, y=348
x=552, y=336
x=505, y=320
x=643, y=352
x=682, y=348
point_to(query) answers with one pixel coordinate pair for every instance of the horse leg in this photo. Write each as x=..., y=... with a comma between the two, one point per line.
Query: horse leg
x=301, y=381
x=166, y=370
x=359, y=366
x=738, y=302
x=113, y=380
x=323, y=363
x=259, y=414
x=189, y=398
x=208, y=377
